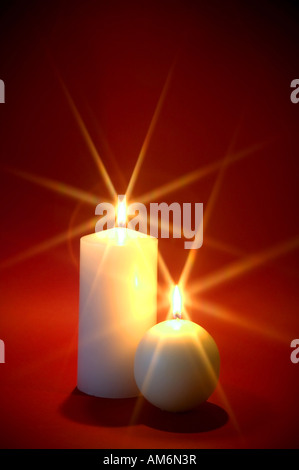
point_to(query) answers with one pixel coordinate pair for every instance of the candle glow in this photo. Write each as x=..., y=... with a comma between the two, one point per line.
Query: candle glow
x=121, y=218
x=177, y=362
x=118, y=274
x=121, y=211
x=177, y=302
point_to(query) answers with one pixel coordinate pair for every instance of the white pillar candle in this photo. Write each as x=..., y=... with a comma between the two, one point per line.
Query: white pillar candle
x=177, y=364
x=118, y=292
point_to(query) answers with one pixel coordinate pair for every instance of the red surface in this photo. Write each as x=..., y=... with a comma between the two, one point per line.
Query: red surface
x=230, y=89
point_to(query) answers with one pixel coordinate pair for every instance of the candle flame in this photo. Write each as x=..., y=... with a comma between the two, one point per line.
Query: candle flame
x=121, y=211
x=177, y=302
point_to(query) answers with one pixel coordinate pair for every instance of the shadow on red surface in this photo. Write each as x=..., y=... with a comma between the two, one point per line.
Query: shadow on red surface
x=96, y=411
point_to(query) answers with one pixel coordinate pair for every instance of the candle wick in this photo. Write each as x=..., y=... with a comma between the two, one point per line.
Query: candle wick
x=177, y=315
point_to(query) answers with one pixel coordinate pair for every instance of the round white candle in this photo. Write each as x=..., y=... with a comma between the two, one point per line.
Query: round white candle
x=118, y=291
x=177, y=365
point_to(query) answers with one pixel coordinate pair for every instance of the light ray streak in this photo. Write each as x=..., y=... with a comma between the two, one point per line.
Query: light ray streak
x=57, y=186
x=223, y=247
x=87, y=138
x=228, y=407
x=196, y=175
x=148, y=379
x=164, y=225
x=48, y=244
x=164, y=269
x=161, y=262
x=220, y=388
x=243, y=266
x=149, y=134
x=236, y=319
x=207, y=216
x=188, y=267
x=107, y=150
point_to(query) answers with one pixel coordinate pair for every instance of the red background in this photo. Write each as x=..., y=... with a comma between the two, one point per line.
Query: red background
x=230, y=89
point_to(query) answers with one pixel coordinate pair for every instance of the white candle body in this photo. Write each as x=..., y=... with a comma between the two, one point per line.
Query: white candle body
x=118, y=304
x=177, y=365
